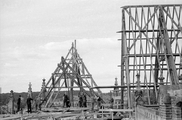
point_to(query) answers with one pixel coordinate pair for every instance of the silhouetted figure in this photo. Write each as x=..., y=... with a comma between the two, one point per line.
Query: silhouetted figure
x=112, y=102
x=29, y=105
x=80, y=100
x=84, y=100
x=66, y=101
x=19, y=103
x=99, y=102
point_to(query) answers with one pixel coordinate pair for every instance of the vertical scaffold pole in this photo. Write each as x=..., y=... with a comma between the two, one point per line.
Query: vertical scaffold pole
x=72, y=83
x=122, y=65
x=126, y=58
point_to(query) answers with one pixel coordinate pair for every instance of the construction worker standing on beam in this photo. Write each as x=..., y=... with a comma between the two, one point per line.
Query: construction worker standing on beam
x=29, y=104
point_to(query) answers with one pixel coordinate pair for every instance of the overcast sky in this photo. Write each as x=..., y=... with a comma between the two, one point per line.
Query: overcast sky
x=34, y=34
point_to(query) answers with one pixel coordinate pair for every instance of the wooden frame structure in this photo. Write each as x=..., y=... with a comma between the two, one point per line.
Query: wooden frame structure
x=151, y=48
x=71, y=73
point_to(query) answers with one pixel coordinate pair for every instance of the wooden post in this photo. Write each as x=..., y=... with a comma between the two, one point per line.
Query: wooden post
x=122, y=63
x=72, y=82
x=126, y=60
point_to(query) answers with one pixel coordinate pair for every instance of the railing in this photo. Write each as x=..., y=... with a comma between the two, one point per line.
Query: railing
x=144, y=113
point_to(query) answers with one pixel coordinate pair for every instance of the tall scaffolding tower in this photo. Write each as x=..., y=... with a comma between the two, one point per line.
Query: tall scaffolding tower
x=151, y=49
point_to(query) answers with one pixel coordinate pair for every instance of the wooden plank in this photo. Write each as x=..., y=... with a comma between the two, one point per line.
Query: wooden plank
x=14, y=117
x=11, y=118
x=68, y=115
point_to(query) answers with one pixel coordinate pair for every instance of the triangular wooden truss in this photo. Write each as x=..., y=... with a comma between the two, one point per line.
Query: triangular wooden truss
x=71, y=73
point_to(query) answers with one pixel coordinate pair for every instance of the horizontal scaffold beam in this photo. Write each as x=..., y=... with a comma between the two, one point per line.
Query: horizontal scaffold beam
x=149, y=65
x=151, y=69
x=70, y=87
x=152, y=55
x=128, y=31
x=124, y=86
x=144, y=6
x=153, y=38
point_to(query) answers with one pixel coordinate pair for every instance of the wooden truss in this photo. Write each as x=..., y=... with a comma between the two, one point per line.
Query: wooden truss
x=151, y=53
x=71, y=73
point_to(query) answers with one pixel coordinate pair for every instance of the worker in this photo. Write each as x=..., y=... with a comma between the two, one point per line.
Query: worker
x=80, y=100
x=99, y=102
x=93, y=101
x=19, y=103
x=84, y=100
x=68, y=101
x=64, y=100
x=29, y=105
x=112, y=102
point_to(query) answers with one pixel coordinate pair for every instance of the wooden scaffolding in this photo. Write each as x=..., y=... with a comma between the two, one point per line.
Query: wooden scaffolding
x=70, y=74
x=151, y=48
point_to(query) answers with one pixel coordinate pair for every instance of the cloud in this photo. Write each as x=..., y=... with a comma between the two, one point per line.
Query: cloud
x=12, y=75
x=55, y=45
x=22, y=53
x=84, y=44
x=98, y=49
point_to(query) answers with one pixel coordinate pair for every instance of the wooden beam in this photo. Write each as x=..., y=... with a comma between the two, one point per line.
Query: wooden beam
x=148, y=65
x=123, y=86
x=154, y=38
x=140, y=6
x=145, y=30
x=151, y=55
x=70, y=87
